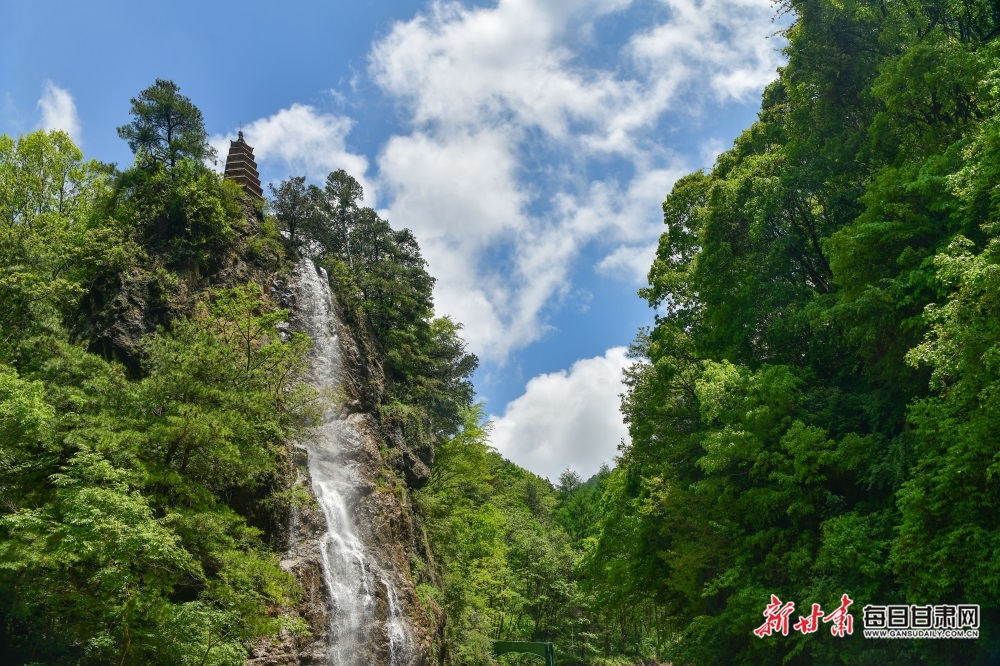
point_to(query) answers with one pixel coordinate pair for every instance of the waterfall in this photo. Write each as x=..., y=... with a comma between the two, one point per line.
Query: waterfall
x=354, y=579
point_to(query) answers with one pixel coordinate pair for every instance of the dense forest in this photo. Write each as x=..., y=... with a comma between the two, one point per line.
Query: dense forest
x=813, y=413
x=143, y=419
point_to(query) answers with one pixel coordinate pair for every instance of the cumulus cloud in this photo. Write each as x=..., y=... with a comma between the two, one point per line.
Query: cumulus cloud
x=58, y=111
x=566, y=416
x=505, y=122
x=447, y=186
x=491, y=93
x=630, y=262
x=720, y=42
x=458, y=67
x=461, y=196
x=301, y=140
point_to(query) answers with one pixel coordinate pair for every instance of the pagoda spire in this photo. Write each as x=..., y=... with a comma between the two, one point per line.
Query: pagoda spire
x=241, y=167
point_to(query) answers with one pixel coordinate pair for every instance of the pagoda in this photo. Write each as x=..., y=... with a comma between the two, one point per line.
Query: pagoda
x=241, y=167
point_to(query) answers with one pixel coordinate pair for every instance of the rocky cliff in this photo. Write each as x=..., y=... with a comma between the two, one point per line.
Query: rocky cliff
x=123, y=306
x=386, y=461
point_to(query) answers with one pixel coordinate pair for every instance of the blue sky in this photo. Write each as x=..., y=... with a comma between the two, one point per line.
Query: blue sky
x=528, y=144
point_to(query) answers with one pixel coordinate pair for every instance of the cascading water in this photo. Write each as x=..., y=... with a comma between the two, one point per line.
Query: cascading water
x=353, y=578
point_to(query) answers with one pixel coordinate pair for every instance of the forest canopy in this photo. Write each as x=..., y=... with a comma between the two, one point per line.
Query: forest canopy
x=815, y=410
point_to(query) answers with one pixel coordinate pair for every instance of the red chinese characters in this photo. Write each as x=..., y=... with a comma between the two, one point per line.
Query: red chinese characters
x=777, y=612
x=810, y=623
x=776, y=618
x=843, y=622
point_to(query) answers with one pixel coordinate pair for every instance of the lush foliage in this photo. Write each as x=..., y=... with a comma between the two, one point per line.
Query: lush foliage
x=145, y=418
x=505, y=544
x=137, y=505
x=815, y=410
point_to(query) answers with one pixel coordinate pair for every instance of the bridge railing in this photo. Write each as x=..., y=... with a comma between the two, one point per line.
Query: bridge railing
x=544, y=650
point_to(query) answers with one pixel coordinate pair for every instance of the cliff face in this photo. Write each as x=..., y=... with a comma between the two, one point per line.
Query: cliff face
x=125, y=304
x=382, y=516
x=130, y=306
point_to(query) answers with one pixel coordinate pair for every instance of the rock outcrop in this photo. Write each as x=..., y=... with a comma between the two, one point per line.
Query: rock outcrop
x=382, y=514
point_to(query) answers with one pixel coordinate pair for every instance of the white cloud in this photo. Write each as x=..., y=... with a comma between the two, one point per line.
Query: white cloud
x=458, y=67
x=300, y=141
x=491, y=93
x=566, y=419
x=460, y=221
x=722, y=42
x=461, y=196
x=460, y=189
x=58, y=111
x=631, y=262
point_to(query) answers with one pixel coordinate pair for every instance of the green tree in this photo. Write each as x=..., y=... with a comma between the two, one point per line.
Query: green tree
x=223, y=392
x=779, y=437
x=137, y=513
x=949, y=530
x=295, y=210
x=166, y=127
x=95, y=568
x=339, y=202
x=50, y=249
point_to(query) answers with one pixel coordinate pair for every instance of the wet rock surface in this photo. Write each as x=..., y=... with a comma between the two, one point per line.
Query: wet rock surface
x=302, y=560
x=382, y=522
